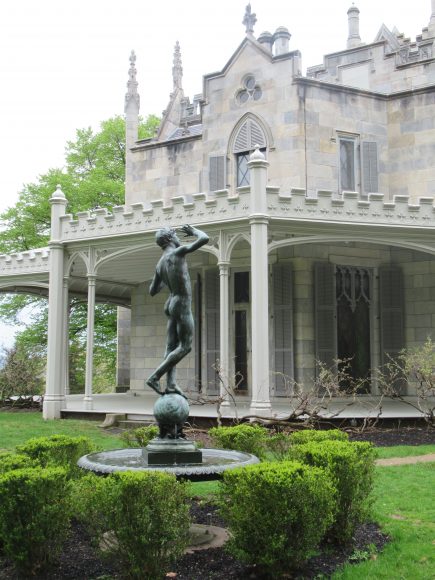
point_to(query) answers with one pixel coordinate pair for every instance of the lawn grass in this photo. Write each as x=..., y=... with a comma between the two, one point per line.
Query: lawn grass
x=404, y=497
x=405, y=509
x=404, y=451
x=18, y=427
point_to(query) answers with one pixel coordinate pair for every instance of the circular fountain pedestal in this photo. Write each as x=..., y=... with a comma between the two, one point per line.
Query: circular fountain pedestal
x=214, y=463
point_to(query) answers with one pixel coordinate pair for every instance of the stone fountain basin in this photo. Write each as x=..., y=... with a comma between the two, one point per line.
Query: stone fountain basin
x=214, y=463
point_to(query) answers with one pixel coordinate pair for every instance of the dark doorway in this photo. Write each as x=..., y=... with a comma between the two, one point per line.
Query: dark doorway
x=353, y=290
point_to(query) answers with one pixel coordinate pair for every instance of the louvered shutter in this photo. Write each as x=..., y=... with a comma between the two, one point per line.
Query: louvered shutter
x=370, y=167
x=325, y=309
x=212, y=298
x=283, y=327
x=216, y=172
x=391, y=316
x=241, y=142
x=249, y=136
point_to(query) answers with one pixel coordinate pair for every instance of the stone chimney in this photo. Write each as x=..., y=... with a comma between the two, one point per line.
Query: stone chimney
x=266, y=39
x=354, y=38
x=281, y=40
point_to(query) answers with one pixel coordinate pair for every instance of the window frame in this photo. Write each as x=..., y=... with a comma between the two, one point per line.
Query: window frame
x=354, y=138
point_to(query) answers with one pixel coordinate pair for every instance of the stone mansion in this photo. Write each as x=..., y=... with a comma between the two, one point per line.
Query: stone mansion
x=317, y=193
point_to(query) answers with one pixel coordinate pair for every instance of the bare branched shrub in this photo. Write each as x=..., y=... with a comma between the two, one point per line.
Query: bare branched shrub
x=228, y=387
x=415, y=368
x=332, y=391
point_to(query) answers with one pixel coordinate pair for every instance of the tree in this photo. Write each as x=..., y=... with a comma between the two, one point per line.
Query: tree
x=93, y=176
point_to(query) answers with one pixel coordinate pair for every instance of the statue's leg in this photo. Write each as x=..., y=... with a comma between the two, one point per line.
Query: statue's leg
x=172, y=343
x=183, y=331
x=172, y=340
x=185, y=335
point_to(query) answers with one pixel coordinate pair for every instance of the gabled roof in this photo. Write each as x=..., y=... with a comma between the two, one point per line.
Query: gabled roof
x=386, y=35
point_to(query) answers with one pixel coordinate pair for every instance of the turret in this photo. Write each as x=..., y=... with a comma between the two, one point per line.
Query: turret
x=281, y=40
x=431, y=27
x=131, y=110
x=132, y=104
x=354, y=38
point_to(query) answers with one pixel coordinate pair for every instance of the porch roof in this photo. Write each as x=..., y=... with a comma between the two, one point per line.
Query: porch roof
x=125, y=253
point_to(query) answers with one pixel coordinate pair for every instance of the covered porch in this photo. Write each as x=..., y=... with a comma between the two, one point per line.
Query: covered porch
x=110, y=257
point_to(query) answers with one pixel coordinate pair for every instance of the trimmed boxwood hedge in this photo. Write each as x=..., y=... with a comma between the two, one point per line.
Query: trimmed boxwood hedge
x=146, y=514
x=351, y=467
x=57, y=450
x=301, y=437
x=277, y=513
x=34, y=516
x=245, y=438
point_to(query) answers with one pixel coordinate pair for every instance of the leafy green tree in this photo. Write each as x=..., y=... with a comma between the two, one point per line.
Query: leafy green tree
x=93, y=176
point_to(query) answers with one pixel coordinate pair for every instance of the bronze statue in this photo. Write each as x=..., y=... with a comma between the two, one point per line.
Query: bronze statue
x=172, y=271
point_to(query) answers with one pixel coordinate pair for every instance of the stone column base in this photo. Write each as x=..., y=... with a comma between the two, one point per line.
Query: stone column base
x=262, y=408
x=52, y=405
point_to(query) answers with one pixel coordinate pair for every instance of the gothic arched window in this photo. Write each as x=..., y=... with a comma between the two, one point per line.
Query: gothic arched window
x=249, y=136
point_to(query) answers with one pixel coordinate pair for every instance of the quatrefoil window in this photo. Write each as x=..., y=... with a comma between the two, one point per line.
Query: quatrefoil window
x=250, y=90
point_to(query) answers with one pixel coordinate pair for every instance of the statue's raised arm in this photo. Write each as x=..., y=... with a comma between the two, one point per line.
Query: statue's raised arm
x=201, y=239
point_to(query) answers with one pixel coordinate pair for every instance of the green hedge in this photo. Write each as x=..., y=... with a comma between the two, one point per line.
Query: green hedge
x=146, y=513
x=140, y=437
x=34, y=516
x=301, y=437
x=11, y=461
x=57, y=450
x=278, y=445
x=277, y=513
x=245, y=438
x=351, y=467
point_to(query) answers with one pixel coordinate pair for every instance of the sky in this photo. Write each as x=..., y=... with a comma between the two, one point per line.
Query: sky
x=64, y=64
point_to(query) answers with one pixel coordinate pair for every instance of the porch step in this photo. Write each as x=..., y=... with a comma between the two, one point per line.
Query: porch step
x=136, y=423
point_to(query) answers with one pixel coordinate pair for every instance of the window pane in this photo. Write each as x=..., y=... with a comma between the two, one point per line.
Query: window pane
x=241, y=287
x=242, y=169
x=347, y=164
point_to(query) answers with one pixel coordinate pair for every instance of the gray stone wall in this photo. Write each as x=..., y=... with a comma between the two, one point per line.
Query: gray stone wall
x=148, y=341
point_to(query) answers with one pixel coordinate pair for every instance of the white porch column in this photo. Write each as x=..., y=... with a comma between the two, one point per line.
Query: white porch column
x=90, y=343
x=54, y=398
x=66, y=310
x=224, y=316
x=259, y=220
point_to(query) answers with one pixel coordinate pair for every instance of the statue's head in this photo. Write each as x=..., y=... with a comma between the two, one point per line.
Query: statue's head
x=167, y=236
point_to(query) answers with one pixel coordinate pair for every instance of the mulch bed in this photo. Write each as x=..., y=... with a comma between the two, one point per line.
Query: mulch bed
x=80, y=560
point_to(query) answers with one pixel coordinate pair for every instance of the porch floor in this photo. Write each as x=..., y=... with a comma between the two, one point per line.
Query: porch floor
x=140, y=407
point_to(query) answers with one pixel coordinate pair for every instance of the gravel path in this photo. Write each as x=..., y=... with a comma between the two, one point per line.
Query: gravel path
x=406, y=460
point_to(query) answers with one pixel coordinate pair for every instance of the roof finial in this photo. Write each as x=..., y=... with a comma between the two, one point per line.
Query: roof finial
x=177, y=69
x=249, y=20
x=132, y=83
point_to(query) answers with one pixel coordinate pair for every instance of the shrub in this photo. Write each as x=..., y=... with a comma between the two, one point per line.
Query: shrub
x=10, y=461
x=91, y=504
x=301, y=437
x=149, y=516
x=278, y=445
x=140, y=437
x=245, y=438
x=34, y=516
x=58, y=450
x=351, y=466
x=276, y=513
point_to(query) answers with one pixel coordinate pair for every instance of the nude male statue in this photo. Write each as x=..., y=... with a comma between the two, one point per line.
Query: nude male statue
x=172, y=271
